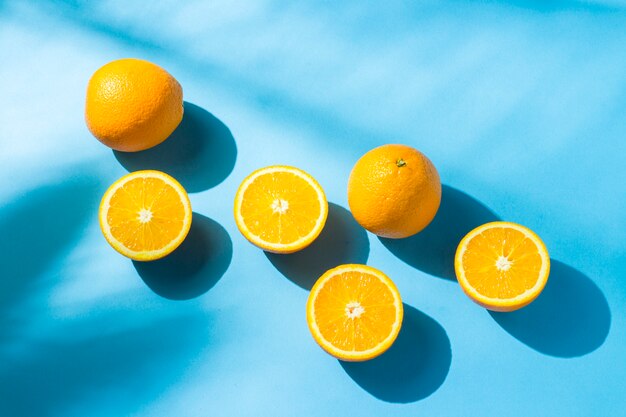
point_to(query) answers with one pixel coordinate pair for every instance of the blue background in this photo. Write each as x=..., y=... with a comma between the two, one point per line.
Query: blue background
x=521, y=105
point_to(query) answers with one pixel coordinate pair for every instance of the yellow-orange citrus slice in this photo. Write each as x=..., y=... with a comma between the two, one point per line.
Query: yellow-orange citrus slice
x=280, y=209
x=145, y=215
x=502, y=266
x=354, y=312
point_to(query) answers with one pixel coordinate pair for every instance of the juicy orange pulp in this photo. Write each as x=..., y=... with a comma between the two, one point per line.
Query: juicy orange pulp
x=280, y=209
x=354, y=312
x=145, y=215
x=482, y=257
x=280, y=214
x=504, y=264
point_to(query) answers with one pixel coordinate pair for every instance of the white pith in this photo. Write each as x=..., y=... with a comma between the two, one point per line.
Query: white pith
x=280, y=206
x=145, y=215
x=354, y=309
x=503, y=263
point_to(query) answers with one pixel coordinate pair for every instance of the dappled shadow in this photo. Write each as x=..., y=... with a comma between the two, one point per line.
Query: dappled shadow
x=560, y=5
x=38, y=228
x=432, y=250
x=413, y=368
x=317, y=118
x=571, y=317
x=195, y=266
x=200, y=153
x=57, y=373
x=342, y=241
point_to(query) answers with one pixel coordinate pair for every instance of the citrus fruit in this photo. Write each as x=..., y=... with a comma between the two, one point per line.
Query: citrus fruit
x=354, y=312
x=280, y=209
x=133, y=104
x=394, y=191
x=145, y=215
x=502, y=266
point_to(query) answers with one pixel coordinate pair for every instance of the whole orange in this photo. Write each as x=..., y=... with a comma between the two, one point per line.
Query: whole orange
x=133, y=104
x=394, y=191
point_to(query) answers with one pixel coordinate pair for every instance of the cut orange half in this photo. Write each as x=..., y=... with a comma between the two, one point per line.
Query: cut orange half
x=280, y=209
x=502, y=266
x=145, y=215
x=354, y=312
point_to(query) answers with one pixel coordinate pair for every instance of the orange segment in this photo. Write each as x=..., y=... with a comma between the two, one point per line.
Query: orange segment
x=354, y=312
x=280, y=209
x=145, y=215
x=502, y=266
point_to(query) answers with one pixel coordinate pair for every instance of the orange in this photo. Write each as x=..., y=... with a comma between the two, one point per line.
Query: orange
x=280, y=209
x=354, y=312
x=133, y=104
x=394, y=191
x=145, y=215
x=502, y=266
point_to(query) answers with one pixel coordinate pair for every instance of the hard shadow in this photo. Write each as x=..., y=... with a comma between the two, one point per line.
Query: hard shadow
x=570, y=318
x=37, y=229
x=413, y=368
x=195, y=266
x=200, y=153
x=342, y=241
x=432, y=250
x=60, y=372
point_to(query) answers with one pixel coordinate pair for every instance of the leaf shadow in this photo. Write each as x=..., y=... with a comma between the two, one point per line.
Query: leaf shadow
x=559, y=6
x=60, y=372
x=37, y=229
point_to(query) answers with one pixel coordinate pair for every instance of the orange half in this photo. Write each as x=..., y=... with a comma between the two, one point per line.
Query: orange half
x=502, y=266
x=280, y=209
x=145, y=215
x=354, y=312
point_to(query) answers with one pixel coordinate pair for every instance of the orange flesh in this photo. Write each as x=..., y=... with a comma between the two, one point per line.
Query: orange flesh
x=160, y=199
x=482, y=254
x=265, y=198
x=361, y=333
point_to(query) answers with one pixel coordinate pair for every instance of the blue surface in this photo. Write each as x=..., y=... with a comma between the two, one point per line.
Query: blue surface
x=521, y=105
